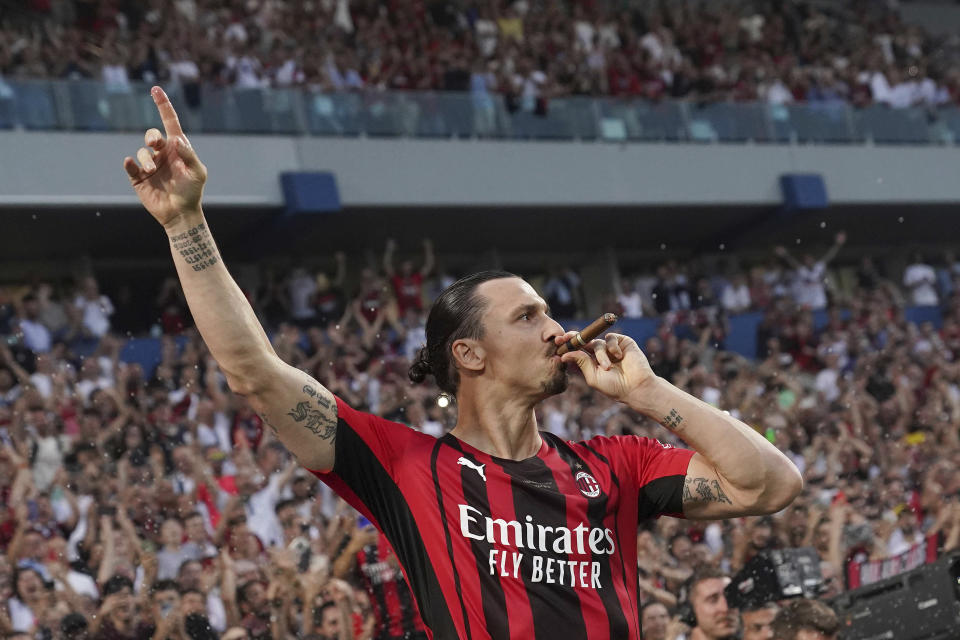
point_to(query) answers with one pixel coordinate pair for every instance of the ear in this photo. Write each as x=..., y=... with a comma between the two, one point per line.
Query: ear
x=468, y=354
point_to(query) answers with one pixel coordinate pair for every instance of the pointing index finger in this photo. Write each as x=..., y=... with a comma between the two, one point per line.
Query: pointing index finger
x=171, y=124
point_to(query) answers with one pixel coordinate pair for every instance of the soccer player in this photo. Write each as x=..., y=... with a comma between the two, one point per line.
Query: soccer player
x=502, y=531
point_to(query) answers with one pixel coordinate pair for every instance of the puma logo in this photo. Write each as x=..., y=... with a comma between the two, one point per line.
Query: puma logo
x=476, y=467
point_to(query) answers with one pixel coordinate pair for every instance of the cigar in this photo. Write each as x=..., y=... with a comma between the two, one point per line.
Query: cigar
x=584, y=337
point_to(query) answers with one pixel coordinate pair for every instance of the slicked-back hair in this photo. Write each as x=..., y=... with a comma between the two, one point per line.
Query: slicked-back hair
x=457, y=313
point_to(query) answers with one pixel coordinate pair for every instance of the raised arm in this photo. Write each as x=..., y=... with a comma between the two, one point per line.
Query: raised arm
x=341, y=273
x=735, y=471
x=169, y=181
x=7, y=358
x=831, y=253
x=428, y=258
x=785, y=255
x=388, y=257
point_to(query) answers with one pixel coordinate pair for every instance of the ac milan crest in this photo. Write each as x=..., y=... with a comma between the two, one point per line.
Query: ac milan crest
x=588, y=485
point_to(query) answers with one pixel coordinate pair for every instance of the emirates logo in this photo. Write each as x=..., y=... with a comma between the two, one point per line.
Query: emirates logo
x=588, y=485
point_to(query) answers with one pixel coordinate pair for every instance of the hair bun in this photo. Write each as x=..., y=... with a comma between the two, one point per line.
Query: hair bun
x=420, y=369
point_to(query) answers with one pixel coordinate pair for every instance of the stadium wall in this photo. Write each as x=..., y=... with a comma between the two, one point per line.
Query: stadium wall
x=49, y=169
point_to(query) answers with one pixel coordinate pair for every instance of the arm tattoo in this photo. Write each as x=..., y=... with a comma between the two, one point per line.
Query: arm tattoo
x=703, y=490
x=196, y=247
x=673, y=420
x=318, y=421
x=322, y=401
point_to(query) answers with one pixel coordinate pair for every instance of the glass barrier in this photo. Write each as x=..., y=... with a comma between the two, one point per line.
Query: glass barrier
x=96, y=106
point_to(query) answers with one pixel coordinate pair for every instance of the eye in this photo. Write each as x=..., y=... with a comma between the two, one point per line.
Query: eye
x=524, y=316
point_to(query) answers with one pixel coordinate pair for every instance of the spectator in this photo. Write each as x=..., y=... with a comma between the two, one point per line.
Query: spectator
x=713, y=618
x=172, y=554
x=374, y=306
x=562, y=292
x=809, y=275
x=736, y=295
x=198, y=544
x=371, y=559
x=255, y=608
x=115, y=619
x=95, y=308
x=30, y=601
x=114, y=71
x=920, y=279
x=36, y=336
x=654, y=619
x=408, y=283
x=301, y=288
x=757, y=623
x=670, y=293
x=328, y=298
x=806, y=620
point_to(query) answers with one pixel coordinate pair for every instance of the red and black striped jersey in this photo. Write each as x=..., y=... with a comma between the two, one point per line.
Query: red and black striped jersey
x=390, y=596
x=540, y=548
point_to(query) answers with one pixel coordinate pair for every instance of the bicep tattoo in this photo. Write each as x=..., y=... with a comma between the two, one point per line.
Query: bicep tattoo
x=323, y=421
x=703, y=490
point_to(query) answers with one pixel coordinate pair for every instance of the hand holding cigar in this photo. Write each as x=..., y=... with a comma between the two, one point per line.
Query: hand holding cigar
x=584, y=337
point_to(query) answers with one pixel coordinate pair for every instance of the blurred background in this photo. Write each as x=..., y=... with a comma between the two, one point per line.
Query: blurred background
x=764, y=191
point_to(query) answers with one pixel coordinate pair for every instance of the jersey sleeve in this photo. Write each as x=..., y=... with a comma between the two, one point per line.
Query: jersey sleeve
x=656, y=470
x=365, y=472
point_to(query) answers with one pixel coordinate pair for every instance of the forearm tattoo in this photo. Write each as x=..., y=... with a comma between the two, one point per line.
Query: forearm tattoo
x=673, y=419
x=703, y=490
x=319, y=421
x=196, y=246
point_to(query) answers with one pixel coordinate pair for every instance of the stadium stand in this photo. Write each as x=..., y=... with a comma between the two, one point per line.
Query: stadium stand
x=140, y=498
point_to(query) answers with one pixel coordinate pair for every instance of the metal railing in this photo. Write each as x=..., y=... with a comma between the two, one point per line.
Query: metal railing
x=70, y=105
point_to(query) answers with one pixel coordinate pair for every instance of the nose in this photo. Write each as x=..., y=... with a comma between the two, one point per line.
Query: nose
x=552, y=329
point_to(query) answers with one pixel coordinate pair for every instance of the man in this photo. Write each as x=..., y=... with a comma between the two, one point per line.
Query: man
x=165, y=620
x=254, y=608
x=198, y=545
x=806, y=620
x=171, y=554
x=114, y=619
x=809, y=289
x=328, y=623
x=95, y=308
x=371, y=562
x=654, y=619
x=757, y=622
x=190, y=580
x=714, y=618
x=408, y=282
x=36, y=336
x=501, y=530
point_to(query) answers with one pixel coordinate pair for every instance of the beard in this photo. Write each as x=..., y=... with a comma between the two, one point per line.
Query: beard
x=557, y=382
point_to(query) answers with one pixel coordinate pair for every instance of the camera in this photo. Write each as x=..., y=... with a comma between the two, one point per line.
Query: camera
x=775, y=575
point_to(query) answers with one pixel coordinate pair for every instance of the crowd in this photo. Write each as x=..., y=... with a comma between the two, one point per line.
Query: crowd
x=695, y=287
x=139, y=503
x=855, y=52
